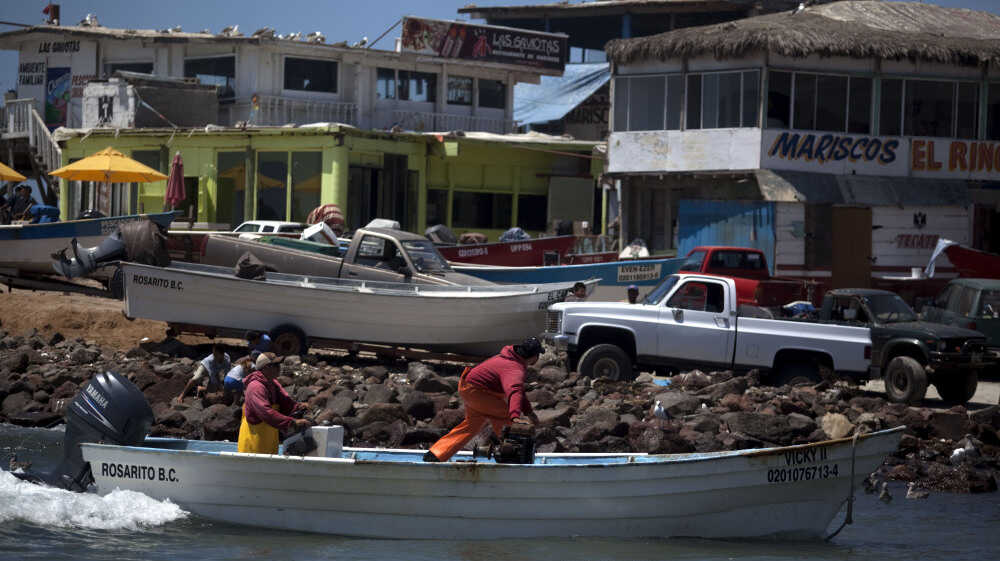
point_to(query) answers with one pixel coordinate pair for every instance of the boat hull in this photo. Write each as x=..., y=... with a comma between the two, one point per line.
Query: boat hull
x=522, y=253
x=614, y=276
x=475, y=321
x=28, y=248
x=718, y=495
x=973, y=263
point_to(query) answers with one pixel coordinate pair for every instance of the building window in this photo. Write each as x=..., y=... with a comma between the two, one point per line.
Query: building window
x=859, y=108
x=492, y=94
x=385, y=83
x=532, y=212
x=831, y=106
x=459, y=90
x=216, y=71
x=272, y=185
x=891, y=108
x=142, y=67
x=437, y=207
x=417, y=86
x=675, y=101
x=231, y=183
x=779, y=100
x=310, y=75
x=620, y=104
x=939, y=108
x=993, y=112
x=307, y=176
x=646, y=101
x=722, y=100
x=481, y=210
x=804, y=106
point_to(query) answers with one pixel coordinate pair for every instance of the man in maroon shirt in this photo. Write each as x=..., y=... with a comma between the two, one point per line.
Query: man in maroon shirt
x=492, y=391
x=266, y=408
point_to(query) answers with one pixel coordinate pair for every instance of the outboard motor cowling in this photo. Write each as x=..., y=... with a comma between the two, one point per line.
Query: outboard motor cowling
x=110, y=409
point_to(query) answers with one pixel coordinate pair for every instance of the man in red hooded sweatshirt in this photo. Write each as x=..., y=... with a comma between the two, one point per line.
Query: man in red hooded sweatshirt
x=266, y=408
x=492, y=391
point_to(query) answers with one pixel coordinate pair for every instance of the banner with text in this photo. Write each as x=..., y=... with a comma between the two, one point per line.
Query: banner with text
x=485, y=43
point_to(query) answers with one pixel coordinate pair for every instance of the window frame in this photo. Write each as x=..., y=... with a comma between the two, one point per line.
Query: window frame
x=236, y=65
x=284, y=76
x=472, y=91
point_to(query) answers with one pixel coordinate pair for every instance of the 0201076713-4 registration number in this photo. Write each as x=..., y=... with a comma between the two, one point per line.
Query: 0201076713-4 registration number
x=802, y=473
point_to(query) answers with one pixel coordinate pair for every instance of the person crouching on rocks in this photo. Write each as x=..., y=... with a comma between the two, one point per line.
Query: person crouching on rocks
x=213, y=367
x=266, y=408
x=492, y=391
x=232, y=384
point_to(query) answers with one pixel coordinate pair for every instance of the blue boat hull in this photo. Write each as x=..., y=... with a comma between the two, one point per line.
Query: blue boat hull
x=615, y=276
x=28, y=248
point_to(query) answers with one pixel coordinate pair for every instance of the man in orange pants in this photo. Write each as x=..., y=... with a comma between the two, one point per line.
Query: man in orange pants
x=492, y=392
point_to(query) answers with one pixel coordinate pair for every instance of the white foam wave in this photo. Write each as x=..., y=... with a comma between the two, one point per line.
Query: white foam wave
x=47, y=506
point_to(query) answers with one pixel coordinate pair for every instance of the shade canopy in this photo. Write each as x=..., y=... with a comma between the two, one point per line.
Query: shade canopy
x=111, y=166
x=7, y=174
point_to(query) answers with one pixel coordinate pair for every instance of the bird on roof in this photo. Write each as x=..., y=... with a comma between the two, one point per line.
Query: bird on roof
x=294, y=36
x=230, y=30
x=361, y=43
x=316, y=37
x=266, y=32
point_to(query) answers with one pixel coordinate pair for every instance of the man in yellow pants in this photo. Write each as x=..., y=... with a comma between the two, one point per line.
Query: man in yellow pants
x=266, y=408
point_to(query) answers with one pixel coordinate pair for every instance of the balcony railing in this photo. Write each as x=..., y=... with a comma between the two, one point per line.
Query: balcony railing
x=15, y=118
x=425, y=122
x=278, y=111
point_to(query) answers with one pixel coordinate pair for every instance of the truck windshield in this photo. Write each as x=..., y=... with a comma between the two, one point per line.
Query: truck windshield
x=889, y=308
x=660, y=291
x=425, y=256
x=693, y=262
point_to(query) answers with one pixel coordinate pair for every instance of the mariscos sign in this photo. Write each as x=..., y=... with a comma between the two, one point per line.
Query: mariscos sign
x=485, y=43
x=879, y=155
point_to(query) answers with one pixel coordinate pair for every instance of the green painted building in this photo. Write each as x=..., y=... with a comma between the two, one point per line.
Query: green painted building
x=471, y=182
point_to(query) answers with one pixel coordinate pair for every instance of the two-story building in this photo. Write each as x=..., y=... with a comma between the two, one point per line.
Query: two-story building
x=843, y=139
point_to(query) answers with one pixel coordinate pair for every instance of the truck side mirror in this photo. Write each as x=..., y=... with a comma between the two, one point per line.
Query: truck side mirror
x=678, y=315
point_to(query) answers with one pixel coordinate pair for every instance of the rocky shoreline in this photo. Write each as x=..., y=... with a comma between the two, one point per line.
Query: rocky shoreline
x=410, y=405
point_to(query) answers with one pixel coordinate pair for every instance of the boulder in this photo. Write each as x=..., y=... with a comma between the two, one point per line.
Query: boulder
x=418, y=405
x=555, y=417
x=143, y=377
x=448, y=418
x=645, y=437
x=767, y=428
x=221, y=422
x=422, y=436
x=384, y=412
x=949, y=424
x=678, y=403
x=15, y=403
x=541, y=398
x=380, y=373
x=432, y=383
x=16, y=362
x=552, y=375
x=417, y=370
x=835, y=425
x=718, y=391
x=84, y=355
x=380, y=393
x=341, y=404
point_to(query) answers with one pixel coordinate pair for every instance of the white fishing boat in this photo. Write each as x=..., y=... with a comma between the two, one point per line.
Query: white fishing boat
x=471, y=320
x=792, y=492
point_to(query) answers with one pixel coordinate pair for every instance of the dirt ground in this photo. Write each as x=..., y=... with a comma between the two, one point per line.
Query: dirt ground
x=75, y=315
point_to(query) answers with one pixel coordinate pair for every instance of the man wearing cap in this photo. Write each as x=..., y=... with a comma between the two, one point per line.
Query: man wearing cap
x=266, y=408
x=22, y=202
x=492, y=391
x=633, y=294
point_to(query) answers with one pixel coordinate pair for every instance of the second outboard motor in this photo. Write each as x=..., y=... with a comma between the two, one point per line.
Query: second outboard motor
x=109, y=410
x=143, y=241
x=87, y=259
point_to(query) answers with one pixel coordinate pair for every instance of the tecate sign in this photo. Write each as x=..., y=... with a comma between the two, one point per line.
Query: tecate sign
x=485, y=43
x=845, y=154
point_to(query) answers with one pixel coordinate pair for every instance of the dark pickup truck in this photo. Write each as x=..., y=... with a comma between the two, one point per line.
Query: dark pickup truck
x=908, y=353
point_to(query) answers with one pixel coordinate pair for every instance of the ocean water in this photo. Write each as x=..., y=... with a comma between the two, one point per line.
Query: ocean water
x=45, y=523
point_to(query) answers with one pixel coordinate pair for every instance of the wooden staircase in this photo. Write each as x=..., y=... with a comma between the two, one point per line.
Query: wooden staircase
x=28, y=147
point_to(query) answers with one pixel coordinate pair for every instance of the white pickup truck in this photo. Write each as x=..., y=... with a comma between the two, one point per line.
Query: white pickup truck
x=694, y=321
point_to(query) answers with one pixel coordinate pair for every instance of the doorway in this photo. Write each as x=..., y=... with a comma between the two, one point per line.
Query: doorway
x=852, y=247
x=381, y=193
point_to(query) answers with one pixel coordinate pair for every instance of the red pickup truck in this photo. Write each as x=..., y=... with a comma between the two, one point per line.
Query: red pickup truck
x=748, y=268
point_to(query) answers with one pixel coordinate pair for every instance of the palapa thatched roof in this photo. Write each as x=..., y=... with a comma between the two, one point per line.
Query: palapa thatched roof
x=885, y=30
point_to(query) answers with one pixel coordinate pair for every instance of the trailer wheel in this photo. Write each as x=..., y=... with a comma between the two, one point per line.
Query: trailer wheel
x=956, y=386
x=905, y=380
x=607, y=361
x=288, y=340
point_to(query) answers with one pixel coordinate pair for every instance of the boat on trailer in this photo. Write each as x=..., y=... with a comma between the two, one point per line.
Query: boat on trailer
x=793, y=491
x=28, y=248
x=469, y=320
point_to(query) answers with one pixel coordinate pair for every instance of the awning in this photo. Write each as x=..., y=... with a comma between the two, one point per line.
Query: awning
x=555, y=96
x=822, y=188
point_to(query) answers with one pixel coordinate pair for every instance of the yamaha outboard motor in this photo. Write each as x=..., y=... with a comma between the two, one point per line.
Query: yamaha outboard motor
x=108, y=410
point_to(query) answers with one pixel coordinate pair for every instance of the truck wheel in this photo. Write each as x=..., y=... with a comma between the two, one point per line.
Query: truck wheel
x=797, y=373
x=607, y=361
x=905, y=380
x=956, y=386
x=288, y=340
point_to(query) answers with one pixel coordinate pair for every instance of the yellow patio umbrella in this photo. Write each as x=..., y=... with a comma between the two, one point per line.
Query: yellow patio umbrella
x=7, y=174
x=111, y=166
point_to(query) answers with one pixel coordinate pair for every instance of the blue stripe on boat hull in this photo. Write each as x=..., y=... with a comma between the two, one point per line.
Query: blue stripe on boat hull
x=646, y=272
